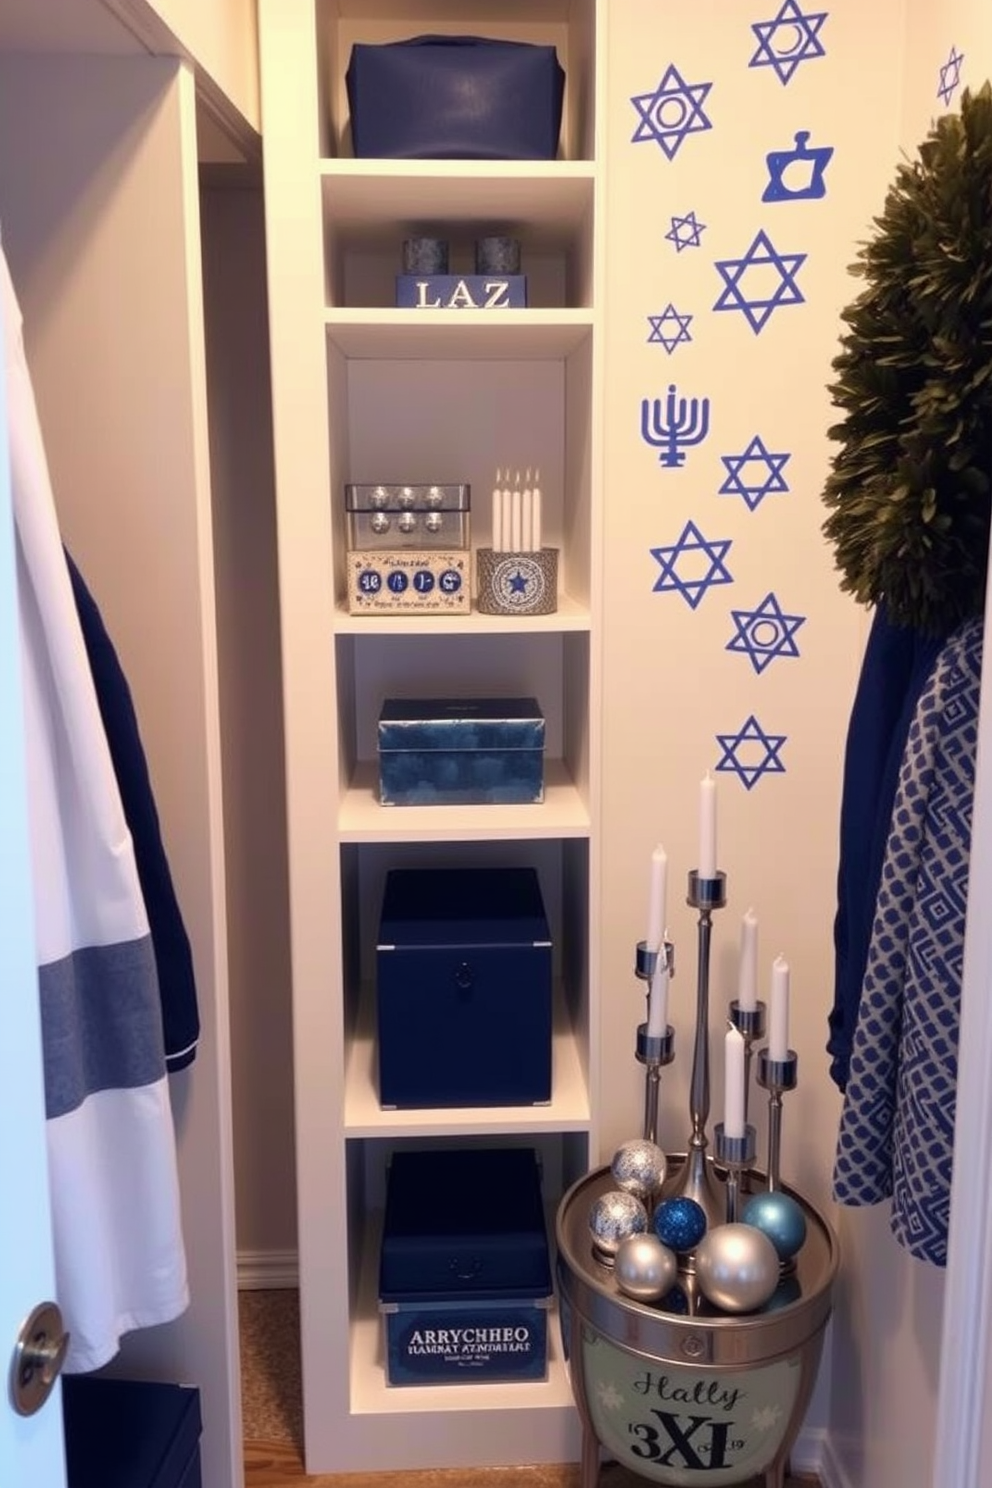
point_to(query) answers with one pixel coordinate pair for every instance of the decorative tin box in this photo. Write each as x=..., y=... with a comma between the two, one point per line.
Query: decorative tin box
x=130, y=1433
x=463, y=989
x=461, y=291
x=458, y=751
x=464, y=1276
x=420, y=581
x=381, y=517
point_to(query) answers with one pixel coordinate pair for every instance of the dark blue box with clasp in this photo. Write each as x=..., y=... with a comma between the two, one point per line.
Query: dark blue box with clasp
x=130, y=1433
x=461, y=751
x=464, y=1276
x=463, y=988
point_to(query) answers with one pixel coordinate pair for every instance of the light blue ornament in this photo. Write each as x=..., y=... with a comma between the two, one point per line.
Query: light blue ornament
x=613, y=1217
x=680, y=1223
x=780, y=1218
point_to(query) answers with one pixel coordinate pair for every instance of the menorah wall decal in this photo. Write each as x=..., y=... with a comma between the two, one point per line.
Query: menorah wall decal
x=682, y=423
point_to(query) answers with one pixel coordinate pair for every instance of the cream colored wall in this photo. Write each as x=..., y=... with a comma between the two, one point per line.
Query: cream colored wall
x=887, y=1333
x=670, y=685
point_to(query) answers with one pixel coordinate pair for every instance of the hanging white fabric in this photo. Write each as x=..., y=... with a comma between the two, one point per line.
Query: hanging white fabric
x=119, y=1255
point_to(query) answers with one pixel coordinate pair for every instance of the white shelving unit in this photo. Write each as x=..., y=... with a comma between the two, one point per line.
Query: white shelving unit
x=366, y=392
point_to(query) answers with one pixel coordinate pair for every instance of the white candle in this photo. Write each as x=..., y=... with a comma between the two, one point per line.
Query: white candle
x=497, y=516
x=536, y=512
x=707, y=827
x=516, y=515
x=733, y=1105
x=747, y=972
x=656, y=898
x=778, y=1017
x=658, y=999
x=506, y=503
x=527, y=516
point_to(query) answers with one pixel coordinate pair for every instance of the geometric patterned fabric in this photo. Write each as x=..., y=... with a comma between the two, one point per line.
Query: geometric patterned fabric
x=896, y=1134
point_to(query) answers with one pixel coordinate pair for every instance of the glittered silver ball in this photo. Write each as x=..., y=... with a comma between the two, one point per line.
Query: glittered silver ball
x=644, y=1268
x=379, y=522
x=638, y=1167
x=435, y=496
x=680, y=1223
x=406, y=521
x=407, y=498
x=779, y=1217
x=613, y=1217
x=434, y=521
x=737, y=1267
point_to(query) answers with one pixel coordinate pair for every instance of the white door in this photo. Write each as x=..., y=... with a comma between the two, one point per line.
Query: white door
x=31, y=1449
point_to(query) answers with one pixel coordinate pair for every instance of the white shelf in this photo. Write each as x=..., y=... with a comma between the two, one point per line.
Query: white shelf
x=568, y=1109
x=549, y=201
x=562, y=813
x=458, y=335
x=569, y=617
x=370, y=1394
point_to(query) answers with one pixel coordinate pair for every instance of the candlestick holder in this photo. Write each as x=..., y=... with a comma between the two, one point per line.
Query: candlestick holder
x=750, y=1022
x=736, y=1154
x=653, y=1051
x=696, y=1180
x=776, y=1076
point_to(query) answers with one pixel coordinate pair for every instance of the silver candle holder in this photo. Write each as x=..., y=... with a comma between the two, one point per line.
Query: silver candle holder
x=776, y=1076
x=653, y=1051
x=750, y=1023
x=695, y=1180
x=736, y=1154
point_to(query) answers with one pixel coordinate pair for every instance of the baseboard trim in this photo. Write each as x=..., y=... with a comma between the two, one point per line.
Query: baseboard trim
x=814, y=1452
x=267, y=1270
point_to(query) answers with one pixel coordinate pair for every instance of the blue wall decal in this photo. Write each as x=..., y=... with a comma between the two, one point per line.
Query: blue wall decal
x=673, y=111
x=761, y=256
x=673, y=428
x=765, y=633
x=686, y=232
x=669, y=329
x=742, y=469
x=789, y=38
x=950, y=76
x=751, y=753
x=815, y=160
x=686, y=552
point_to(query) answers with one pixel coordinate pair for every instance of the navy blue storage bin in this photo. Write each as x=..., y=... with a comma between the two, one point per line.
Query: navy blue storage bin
x=461, y=751
x=463, y=988
x=464, y=1275
x=130, y=1433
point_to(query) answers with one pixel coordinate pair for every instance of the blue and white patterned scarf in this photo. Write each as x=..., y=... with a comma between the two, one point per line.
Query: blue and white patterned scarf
x=897, y=1126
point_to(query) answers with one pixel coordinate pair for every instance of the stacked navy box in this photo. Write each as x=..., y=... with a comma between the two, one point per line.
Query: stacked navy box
x=463, y=989
x=130, y=1433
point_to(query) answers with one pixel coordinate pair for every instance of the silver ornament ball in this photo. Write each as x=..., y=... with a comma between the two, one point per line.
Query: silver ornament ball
x=379, y=522
x=644, y=1268
x=638, y=1167
x=434, y=521
x=407, y=521
x=613, y=1217
x=737, y=1267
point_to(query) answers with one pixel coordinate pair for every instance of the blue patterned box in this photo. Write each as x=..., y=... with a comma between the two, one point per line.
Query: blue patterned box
x=464, y=1275
x=460, y=751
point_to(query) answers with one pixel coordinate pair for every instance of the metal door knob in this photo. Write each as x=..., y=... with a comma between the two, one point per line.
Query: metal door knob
x=39, y=1354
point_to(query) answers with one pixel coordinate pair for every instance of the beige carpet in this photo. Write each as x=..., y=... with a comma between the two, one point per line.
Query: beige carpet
x=271, y=1395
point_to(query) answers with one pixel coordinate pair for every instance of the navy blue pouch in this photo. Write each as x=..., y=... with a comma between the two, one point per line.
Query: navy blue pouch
x=455, y=97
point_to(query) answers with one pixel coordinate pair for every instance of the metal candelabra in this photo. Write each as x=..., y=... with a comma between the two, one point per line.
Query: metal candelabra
x=654, y=1052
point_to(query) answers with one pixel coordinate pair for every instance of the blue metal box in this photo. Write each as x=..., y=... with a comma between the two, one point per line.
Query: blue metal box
x=463, y=988
x=461, y=751
x=464, y=1276
x=130, y=1433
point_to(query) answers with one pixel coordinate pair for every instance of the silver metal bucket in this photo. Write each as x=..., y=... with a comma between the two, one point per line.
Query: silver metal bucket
x=697, y=1397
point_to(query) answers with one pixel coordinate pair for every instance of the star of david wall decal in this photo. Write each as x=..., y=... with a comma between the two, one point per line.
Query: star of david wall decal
x=686, y=232
x=950, y=76
x=692, y=565
x=672, y=112
x=751, y=753
x=770, y=275
x=669, y=329
x=791, y=36
x=754, y=474
x=764, y=633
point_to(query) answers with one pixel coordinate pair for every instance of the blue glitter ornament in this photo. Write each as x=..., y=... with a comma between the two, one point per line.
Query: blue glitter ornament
x=780, y=1218
x=680, y=1223
x=675, y=1301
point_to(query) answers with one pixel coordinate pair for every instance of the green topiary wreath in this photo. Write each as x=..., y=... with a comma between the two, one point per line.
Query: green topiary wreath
x=910, y=489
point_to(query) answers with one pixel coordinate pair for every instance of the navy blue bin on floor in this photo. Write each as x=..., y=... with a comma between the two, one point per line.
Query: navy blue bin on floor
x=463, y=989
x=131, y=1433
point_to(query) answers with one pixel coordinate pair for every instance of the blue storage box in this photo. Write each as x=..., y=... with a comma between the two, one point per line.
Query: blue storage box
x=130, y=1433
x=463, y=989
x=461, y=751
x=464, y=1275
